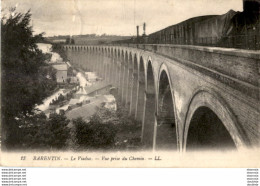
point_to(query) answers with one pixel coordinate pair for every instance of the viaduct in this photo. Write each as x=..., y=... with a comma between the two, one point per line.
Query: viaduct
x=187, y=97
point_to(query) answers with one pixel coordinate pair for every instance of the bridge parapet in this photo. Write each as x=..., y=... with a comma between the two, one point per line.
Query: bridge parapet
x=235, y=67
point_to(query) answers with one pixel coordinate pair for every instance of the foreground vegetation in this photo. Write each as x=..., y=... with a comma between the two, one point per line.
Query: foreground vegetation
x=107, y=130
x=27, y=79
x=24, y=74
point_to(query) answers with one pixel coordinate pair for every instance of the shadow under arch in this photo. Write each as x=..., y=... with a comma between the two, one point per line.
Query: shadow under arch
x=121, y=75
x=125, y=79
x=129, y=80
x=210, y=124
x=141, y=90
x=133, y=85
x=149, y=109
x=114, y=66
x=167, y=128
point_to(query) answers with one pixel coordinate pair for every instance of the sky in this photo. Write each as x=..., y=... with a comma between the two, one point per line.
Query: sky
x=114, y=17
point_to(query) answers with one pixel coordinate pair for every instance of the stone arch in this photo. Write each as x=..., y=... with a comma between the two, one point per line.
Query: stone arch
x=126, y=57
x=109, y=54
x=117, y=72
x=129, y=80
x=122, y=56
x=121, y=77
x=133, y=84
x=167, y=127
x=115, y=53
x=207, y=107
x=148, y=122
x=118, y=54
x=141, y=90
x=113, y=65
x=125, y=78
x=130, y=61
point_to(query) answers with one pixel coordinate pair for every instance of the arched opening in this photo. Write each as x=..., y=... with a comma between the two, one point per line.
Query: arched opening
x=121, y=77
x=81, y=59
x=125, y=64
x=114, y=67
x=166, y=136
x=115, y=53
x=129, y=80
x=141, y=91
x=107, y=63
x=118, y=72
x=95, y=60
x=91, y=57
x=110, y=64
x=134, y=86
x=207, y=132
x=150, y=103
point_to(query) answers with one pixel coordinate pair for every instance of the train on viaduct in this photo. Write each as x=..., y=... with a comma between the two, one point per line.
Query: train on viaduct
x=230, y=30
x=187, y=94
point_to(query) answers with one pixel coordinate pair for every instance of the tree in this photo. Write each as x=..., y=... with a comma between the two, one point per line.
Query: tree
x=23, y=83
x=39, y=132
x=94, y=134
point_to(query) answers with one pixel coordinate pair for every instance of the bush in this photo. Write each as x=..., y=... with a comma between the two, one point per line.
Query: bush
x=95, y=134
x=42, y=133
